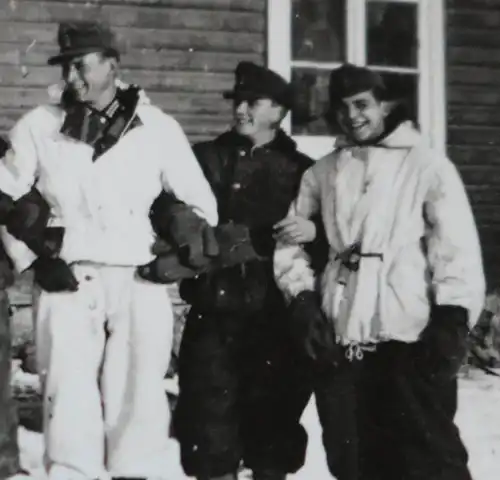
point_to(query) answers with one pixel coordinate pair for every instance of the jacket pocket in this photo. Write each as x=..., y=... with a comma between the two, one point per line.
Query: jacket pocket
x=407, y=302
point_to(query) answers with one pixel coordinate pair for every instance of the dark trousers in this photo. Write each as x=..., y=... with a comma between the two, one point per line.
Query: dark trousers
x=240, y=397
x=390, y=417
x=9, y=454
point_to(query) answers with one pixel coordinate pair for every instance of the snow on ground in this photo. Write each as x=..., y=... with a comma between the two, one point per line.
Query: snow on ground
x=478, y=418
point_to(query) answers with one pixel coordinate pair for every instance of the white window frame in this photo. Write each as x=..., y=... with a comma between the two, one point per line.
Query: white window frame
x=431, y=64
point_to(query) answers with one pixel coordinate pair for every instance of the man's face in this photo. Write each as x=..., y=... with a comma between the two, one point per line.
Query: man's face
x=88, y=76
x=253, y=116
x=362, y=116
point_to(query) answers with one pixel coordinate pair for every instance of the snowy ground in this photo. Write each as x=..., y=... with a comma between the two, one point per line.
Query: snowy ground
x=478, y=418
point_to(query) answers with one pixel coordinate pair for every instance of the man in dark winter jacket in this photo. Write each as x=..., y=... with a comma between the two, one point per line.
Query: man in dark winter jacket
x=240, y=397
x=402, y=286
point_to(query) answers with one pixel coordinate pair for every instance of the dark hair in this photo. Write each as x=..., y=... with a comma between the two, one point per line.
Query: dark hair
x=111, y=53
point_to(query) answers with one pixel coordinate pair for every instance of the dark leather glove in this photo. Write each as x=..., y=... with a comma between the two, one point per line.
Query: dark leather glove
x=54, y=275
x=189, y=234
x=171, y=266
x=6, y=207
x=165, y=269
x=48, y=244
x=444, y=340
x=312, y=331
x=200, y=248
x=233, y=243
x=28, y=219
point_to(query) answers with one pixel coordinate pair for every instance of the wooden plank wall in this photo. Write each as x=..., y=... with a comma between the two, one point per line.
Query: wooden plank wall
x=183, y=52
x=473, y=89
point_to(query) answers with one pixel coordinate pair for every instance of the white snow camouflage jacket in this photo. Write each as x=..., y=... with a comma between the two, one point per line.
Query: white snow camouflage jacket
x=104, y=204
x=408, y=209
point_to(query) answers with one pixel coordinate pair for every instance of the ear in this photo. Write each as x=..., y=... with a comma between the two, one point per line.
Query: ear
x=388, y=106
x=114, y=65
x=283, y=111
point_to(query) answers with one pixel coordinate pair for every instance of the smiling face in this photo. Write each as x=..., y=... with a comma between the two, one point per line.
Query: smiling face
x=255, y=116
x=89, y=76
x=362, y=116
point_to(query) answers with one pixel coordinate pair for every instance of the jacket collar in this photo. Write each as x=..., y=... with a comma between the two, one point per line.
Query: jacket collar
x=281, y=142
x=404, y=136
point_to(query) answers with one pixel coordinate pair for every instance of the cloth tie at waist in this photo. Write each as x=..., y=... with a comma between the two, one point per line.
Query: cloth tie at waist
x=351, y=257
x=356, y=351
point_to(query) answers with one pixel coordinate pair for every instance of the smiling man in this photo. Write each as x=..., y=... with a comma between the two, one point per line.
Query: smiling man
x=403, y=285
x=240, y=398
x=100, y=157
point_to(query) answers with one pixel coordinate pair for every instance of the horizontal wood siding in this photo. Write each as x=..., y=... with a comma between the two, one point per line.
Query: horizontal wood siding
x=183, y=52
x=473, y=91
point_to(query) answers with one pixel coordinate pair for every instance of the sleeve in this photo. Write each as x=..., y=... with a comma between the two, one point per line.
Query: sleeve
x=292, y=265
x=21, y=160
x=453, y=244
x=18, y=169
x=182, y=175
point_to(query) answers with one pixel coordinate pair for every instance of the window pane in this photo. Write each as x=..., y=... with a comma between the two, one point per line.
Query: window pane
x=403, y=87
x=308, y=117
x=392, y=34
x=318, y=30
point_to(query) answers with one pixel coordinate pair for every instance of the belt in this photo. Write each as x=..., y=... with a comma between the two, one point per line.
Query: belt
x=349, y=259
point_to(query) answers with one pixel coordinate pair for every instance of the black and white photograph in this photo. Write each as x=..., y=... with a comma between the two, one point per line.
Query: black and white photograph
x=249, y=240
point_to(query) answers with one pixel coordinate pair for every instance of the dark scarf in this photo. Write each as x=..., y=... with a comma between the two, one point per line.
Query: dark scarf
x=101, y=129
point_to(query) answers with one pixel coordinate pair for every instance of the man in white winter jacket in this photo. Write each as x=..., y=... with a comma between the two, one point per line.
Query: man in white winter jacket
x=100, y=157
x=389, y=316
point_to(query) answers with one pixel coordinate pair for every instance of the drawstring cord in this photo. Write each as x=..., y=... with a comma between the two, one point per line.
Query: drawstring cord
x=356, y=351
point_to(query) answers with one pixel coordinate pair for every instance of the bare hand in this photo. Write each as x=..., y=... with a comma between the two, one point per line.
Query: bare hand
x=295, y=230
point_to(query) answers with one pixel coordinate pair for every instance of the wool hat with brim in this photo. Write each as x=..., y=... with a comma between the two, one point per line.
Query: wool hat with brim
x=254, y=81
x=349, y=80
x=78, y=38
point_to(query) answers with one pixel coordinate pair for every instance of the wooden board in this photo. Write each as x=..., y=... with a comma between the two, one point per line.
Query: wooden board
x=473, y=95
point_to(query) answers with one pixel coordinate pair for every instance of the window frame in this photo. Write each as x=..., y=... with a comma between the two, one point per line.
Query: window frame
x=431, y=63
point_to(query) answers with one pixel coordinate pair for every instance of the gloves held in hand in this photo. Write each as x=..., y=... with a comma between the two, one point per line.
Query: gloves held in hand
x=443, y=342
x=54, y=275
x=312, y=331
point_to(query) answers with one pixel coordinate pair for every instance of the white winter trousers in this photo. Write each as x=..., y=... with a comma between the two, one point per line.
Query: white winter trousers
x=103, y=352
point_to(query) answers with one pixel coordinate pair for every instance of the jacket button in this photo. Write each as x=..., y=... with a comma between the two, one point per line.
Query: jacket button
x=243, y=153
x=236, y=186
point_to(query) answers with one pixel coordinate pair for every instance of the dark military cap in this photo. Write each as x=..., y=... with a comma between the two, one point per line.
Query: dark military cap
x=254, y=81
x=82, y=37
x=348, y=80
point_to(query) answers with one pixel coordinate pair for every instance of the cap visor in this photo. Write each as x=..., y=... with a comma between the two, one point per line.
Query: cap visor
x=66, y=56
x=243, y=95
